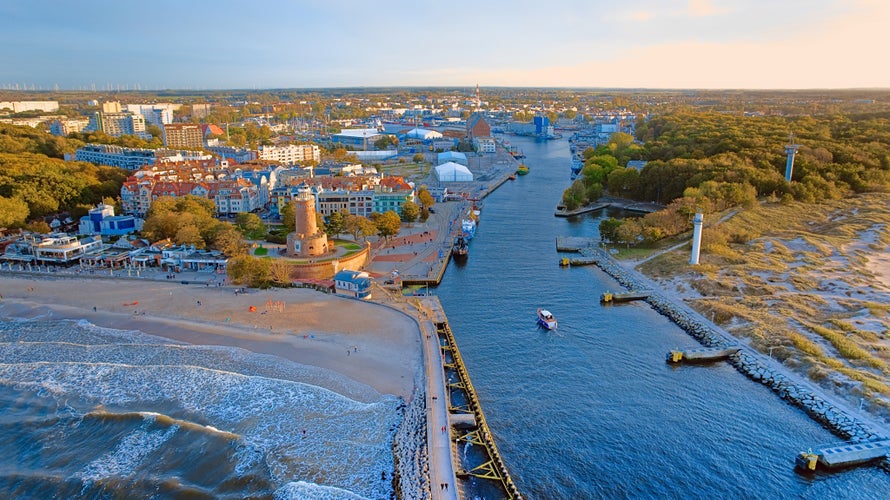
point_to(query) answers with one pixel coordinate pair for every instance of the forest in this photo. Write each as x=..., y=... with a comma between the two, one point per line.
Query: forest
x=706, y=161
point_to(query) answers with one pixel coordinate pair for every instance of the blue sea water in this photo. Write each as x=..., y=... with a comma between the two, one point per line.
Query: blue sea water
x=100, y=413
x=592, y=410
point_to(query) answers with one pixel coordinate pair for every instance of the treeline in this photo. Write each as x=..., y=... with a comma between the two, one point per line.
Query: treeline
x=711, y=161
x=35, y=183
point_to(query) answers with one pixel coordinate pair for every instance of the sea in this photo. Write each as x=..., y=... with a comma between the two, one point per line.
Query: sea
x=90, y=412
x=592, y=410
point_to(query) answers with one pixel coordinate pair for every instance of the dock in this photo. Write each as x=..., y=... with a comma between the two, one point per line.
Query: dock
x=843, y=455
x=609, y=297
x=702, y=354
x=465, y=417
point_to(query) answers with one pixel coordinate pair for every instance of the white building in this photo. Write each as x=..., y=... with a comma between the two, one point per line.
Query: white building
x=154, y=114
x=453, y=172
x=65, y=126
x=22, y=106
x=291, y=154
x=485, y=144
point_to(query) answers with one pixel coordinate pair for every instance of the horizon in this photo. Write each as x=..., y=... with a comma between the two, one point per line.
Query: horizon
x=101, y=46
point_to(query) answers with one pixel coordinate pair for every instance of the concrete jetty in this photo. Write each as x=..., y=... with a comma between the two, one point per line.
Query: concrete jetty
x=702, y=354
x=609, y=297
x=843, y=455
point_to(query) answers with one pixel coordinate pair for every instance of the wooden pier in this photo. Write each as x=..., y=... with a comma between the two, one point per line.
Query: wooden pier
x=843, y=455
x=469, y=419
x=701, y=354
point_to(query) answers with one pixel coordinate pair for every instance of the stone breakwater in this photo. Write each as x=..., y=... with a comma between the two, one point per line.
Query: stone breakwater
x=813, y=404
x=412, y=478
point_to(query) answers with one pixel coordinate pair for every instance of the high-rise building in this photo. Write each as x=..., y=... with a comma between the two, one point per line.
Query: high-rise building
x=183, y=135
x=118, y=124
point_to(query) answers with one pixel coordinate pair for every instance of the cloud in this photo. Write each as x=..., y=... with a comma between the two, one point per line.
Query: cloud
x=701, y=8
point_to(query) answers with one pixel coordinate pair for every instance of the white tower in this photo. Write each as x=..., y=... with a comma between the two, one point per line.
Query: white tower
x=790, y=150
x=696, y=238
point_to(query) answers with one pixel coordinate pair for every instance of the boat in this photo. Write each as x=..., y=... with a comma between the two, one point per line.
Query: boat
x=522, y=169
x=512, y=177
x=577, y=166
x=546, y=319
x=461, y=248
x=468, y=227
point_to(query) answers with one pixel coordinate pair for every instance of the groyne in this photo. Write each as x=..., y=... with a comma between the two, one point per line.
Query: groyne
x=412, y=479
x=753, y=365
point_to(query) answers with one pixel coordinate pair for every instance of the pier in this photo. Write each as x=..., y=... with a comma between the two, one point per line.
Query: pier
x=843, y=455
x=609, y=297
x=466, y=421
x=702, y=354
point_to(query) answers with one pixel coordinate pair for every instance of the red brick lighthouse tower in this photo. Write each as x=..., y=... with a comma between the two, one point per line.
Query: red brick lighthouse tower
x=307, y=240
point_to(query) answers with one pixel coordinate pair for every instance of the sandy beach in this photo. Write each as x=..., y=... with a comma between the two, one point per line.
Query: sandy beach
x=370, y=344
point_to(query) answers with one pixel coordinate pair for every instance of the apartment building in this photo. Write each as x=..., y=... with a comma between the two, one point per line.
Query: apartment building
x=183, y=135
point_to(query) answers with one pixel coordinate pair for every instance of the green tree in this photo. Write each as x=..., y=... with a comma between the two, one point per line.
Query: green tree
x=410, y=211
x=609, y=228
x=288, y=216
x=250, y=225
x=357, y=225
x=336, y=223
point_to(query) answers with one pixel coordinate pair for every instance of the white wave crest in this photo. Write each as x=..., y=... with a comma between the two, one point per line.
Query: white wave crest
x=302, y=490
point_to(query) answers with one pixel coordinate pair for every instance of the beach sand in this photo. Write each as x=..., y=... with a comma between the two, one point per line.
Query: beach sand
x=368, y=343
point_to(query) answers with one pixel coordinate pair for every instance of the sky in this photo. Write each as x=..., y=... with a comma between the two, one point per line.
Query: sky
x=228, y=44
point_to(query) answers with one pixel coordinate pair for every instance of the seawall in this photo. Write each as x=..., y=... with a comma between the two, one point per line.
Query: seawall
x=751, y=364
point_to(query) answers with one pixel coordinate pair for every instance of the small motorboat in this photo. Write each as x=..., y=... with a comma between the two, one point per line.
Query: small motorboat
x=546, y=319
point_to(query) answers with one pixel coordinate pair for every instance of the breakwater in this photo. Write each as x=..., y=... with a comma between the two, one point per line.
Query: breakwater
x=412, y=481
x=748, y=363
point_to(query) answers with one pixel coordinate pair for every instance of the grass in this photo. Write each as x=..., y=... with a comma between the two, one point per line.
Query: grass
x=259, y=252
x=789, y=275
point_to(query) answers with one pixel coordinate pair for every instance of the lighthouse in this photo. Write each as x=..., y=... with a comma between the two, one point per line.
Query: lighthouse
x=696, y=238
x=307, y=240
x=790, y=150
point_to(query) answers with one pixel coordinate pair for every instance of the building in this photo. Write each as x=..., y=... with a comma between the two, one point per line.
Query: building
x=453, y=172
x=116, y=156
x=101, y=220
x=291, y=154
x=359, y=138
x=306, y=240
x=118, y=124
x=355, y=202
x=183, y=135
x=484, y=144
x=240, y=155
x=65, y=126
x=111, y=107
x=453, y=156
x=391, y=194
x=23, y=106
x=354, y=283
x=477, y=127
x=158, y=114
x=423, y=134
x=200, y=111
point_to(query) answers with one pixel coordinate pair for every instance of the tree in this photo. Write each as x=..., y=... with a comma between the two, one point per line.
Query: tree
x=288, y=216
x=424, y=197
x=417, y=158
x=386, y=141
x=336, y=223
x=189, y=235
x=250, y=225
x=410, y=211
x=356, y=225
x=248, y=270
x=13, y=212
x=229, y=240
x=609, y=228
x=388, y=224
x=279, y=271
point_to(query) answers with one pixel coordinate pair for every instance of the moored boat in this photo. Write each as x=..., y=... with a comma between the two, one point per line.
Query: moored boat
x=546, y=319
x=461, y=248
x=522, y=169
x=468, y=227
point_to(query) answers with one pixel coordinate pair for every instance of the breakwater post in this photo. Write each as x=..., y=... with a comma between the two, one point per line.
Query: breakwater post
x=747, y=361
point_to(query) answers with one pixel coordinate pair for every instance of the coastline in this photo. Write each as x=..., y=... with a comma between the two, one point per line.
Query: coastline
x=313, y=329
